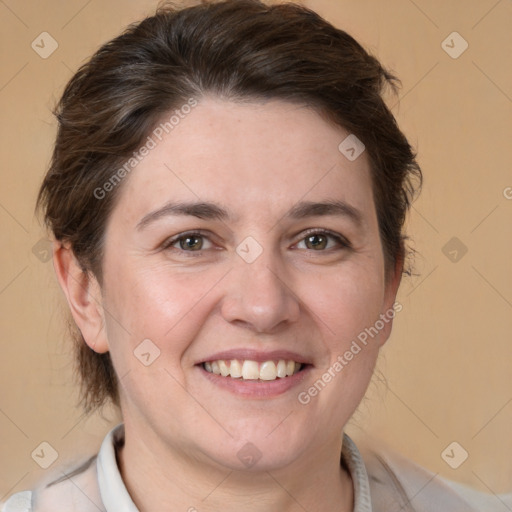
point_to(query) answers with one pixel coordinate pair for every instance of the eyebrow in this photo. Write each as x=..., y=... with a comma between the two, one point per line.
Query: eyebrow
x=213, y=211
x=200, y=209
x=338, y=208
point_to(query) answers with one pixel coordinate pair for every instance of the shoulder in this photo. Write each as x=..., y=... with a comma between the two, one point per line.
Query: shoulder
x=72, y=489
x=19, y=502
x=398, y=483
x=75, y=487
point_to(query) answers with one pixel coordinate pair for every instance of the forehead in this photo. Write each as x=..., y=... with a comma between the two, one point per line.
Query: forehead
x=253, y=157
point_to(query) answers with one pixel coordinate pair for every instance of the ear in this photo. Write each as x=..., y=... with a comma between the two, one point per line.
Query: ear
x=83, y=294
x=389, y=305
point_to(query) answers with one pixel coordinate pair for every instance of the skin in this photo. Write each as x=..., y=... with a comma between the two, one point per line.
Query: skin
x=182, y=433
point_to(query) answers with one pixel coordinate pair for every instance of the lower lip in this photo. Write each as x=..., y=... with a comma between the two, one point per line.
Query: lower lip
x=256, y=388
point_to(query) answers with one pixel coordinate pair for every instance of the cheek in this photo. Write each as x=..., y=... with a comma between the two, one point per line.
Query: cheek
x=349, y=305
x=345, y=303
x=149, y=313
x=156, y=304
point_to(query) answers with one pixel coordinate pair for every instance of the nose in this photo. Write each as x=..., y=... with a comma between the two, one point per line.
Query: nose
x=258, y=296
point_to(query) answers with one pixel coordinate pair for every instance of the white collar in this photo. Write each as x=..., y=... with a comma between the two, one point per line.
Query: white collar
x=113, y=492
x=116, y=498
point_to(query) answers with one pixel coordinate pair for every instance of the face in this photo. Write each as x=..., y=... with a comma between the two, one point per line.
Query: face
x=245, y=242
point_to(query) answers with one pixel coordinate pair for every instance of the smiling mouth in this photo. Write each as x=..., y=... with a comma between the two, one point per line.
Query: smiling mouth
x=253, y=370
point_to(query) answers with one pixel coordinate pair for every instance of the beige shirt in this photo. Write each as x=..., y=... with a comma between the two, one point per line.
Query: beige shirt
x=381, y=484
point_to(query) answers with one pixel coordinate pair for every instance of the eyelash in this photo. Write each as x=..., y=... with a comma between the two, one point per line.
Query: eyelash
x=340, y=240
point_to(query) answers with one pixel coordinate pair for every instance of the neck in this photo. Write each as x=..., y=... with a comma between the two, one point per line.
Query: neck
x=175, y=481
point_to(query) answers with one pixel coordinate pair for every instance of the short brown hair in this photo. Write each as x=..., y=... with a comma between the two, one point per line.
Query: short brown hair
x=238, y=50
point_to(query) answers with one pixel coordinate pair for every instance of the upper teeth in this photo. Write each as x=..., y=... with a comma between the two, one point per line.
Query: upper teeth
x=252, y=370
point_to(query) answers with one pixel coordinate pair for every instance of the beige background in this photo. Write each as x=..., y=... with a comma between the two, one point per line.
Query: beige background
x=447, y=365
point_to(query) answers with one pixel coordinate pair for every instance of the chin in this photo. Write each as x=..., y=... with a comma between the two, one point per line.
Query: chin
x=261, y=447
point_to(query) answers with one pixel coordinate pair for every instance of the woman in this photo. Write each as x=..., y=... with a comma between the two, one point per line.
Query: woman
x=227, y=195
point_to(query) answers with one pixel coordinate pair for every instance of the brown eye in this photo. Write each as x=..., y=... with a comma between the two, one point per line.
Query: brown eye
x=320, y=240
x=188, y=243
x=191, y=243
x=316, y=241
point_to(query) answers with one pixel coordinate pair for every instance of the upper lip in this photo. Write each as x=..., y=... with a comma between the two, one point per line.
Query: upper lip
x=257, y=355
